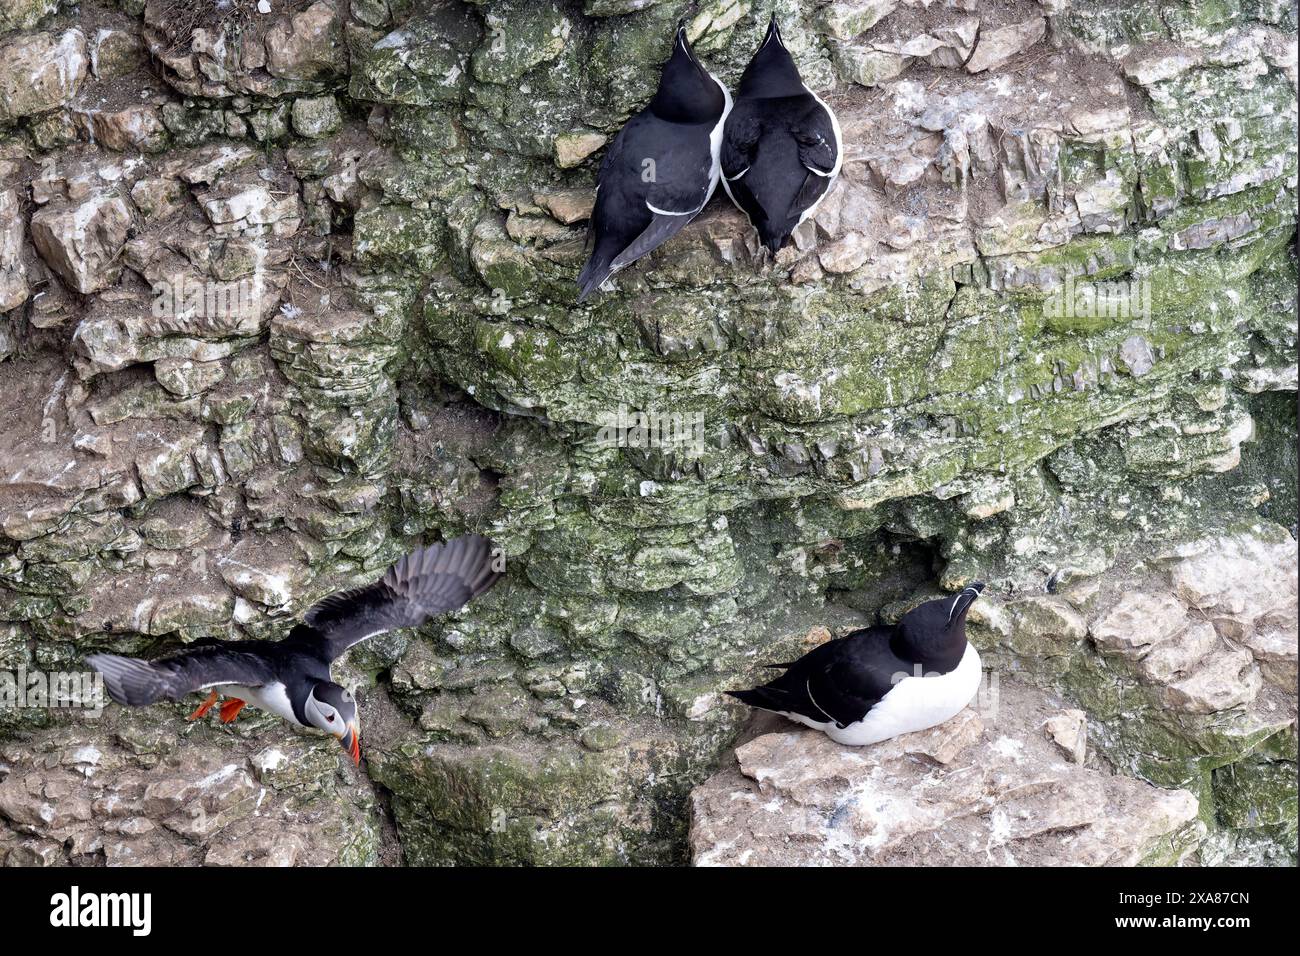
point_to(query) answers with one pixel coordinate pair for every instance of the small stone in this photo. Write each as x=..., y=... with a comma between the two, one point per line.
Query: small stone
x=137, y=127
x=847, y=19
x=81, y=241
x=870, y=67
x=116, y=53
x=997, y=46
x=212, y=163
x=1138, y=620
x=1175, y=658
x=567, y=205
x=816, y=636
x=13, y=272
x=316, y=116
x=846, y=255
x=157, y=197
x=23, y=15
x=307, y=46
x=176, y=531
x=185, y=377
x=1069, y=730
x=572, y=148
x=1136, y=356
x=39, y=72
x=598, y=737
x=266, y=579
x=1227, y=679
x=991, y=498
x=521, y=36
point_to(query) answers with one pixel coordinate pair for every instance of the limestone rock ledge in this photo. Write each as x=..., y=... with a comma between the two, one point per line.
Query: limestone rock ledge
x=987, y=788
x=128, y=790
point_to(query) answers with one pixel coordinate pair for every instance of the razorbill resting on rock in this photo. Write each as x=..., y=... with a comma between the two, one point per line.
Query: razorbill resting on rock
x=660, y=170
x=781, y=147
x=882, y=681
x=292, y=677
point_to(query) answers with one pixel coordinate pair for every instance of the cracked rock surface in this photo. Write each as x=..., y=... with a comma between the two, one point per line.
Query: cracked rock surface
x=144, y=791
x=985, y=788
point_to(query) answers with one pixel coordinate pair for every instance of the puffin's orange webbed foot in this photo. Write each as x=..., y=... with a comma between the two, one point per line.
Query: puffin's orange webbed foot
x=230, y=709
x=204, y=707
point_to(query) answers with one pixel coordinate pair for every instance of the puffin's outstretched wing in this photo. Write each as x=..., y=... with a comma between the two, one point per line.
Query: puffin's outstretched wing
x=429, y=581
x=136, y=683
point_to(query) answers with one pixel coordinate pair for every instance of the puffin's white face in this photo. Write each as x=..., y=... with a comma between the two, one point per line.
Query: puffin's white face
x=333, y=709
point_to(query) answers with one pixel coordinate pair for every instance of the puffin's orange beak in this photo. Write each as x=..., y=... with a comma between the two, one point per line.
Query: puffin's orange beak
x=352, y=742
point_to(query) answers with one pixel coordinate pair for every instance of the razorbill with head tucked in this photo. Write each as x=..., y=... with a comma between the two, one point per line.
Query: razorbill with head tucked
x=882, y=681
x=781, y=147
x=660, y=170
x=291, y=677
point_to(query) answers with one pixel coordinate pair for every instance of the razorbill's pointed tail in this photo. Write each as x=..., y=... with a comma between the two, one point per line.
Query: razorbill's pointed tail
x=593, y=275
x=764, y=698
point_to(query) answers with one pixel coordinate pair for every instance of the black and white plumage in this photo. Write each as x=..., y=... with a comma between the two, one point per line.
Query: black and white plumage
x=781, y=147
x=660, y=170
x=881, y=681
x=291, y=677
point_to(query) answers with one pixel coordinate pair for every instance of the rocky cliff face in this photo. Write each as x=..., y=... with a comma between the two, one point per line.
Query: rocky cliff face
x=1186, y=667
x=283, y=292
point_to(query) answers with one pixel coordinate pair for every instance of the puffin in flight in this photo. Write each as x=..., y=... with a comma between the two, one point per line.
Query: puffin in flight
x=660, y=170
x=781, y=147
x=291, y=677
x=881, y=681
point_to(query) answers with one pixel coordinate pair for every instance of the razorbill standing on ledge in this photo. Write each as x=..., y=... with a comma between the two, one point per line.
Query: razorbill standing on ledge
x=881, y=681
x=291, y=677
x=661, y=169
x=781, y=147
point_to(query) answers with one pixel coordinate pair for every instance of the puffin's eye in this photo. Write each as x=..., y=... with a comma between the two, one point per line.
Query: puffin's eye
x=330, y=718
